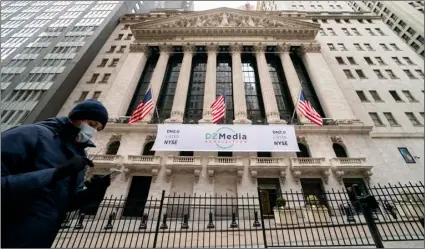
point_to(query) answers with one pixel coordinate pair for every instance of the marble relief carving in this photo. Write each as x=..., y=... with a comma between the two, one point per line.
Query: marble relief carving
x=225, y=19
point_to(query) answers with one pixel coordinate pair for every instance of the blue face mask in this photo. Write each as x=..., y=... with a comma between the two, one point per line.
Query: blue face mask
x=86, y=133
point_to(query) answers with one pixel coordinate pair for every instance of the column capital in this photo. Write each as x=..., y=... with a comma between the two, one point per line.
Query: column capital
x=284, y=47
x=310, y=48
x=165, y=48
x=189, y=48
x=259, y=48
x=212, y=47
x=236, y=48
x=137, y=48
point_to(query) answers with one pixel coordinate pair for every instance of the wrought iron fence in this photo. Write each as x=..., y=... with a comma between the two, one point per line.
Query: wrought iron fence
x=300, y=220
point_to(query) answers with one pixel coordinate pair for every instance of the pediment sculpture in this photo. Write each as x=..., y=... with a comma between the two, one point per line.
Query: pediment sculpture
x=224, y=19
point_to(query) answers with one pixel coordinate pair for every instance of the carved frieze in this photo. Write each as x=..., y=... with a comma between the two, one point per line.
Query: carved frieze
x=284, y=47
x=310, y=48
x=139, y=48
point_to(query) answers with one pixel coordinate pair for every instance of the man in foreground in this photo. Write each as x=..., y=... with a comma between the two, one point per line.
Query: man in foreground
x=42, y=174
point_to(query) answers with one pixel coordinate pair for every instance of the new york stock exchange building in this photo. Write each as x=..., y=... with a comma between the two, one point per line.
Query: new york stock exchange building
x=263, y=146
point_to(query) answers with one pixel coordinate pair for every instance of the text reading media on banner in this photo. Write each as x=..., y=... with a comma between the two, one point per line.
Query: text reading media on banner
x=209, y=137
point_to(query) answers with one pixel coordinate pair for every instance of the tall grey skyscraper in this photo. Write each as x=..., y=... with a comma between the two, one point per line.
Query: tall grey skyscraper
x=46, y=46
x=405, y=18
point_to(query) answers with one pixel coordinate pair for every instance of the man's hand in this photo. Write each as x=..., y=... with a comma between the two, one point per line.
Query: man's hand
x=72, y=167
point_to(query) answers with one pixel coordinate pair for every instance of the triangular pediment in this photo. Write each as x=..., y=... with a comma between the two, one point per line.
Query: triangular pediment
x=227, y=18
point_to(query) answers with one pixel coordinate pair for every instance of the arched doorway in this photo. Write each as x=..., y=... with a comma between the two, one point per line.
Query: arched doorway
x=147, y=150
x=339, y=150
x=303, y=151
x=113, y=148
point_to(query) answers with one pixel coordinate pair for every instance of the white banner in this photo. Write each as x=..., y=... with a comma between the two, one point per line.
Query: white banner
x=210, y=137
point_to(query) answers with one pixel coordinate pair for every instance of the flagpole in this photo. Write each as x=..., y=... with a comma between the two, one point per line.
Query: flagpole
x=296, y=106
x=154, y=103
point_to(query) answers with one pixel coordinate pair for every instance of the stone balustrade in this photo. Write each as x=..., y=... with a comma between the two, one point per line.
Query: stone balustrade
x=267, y=166
x=144, y=164
x=106, y=160
x=189, y=164
x=225, y=164
x=310, y=167
x=356, y=167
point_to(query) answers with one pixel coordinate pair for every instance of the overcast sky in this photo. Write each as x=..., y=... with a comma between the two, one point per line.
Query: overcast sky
x=206, y=5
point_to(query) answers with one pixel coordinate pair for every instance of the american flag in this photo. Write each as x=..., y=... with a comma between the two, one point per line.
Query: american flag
x=218, y=108
x=143, y=109
x=307, y=110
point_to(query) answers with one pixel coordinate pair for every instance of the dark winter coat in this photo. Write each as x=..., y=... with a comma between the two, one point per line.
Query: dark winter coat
x=33, y=208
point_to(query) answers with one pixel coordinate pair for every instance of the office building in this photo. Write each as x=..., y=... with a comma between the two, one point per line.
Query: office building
x=405, y=18
x=361, y=78
x=307, y=6
x=45, y=48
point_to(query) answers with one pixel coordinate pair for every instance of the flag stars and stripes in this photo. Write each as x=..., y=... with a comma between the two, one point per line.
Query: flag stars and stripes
x=307, y=110
x=218, y=108
x=143, y=109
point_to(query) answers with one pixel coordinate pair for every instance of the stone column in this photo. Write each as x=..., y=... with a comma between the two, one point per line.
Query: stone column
x=294, y=83
x=269, y=99
x=126, y=81
x=158, y=76
x=239, y=100
x=179, y=103
x=330, y=95
x=210, y=82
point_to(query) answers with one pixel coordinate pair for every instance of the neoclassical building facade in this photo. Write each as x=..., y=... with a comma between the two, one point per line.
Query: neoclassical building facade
x=262, y=60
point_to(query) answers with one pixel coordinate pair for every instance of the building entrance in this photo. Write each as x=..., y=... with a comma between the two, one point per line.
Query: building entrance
x=137, y=196
x=269, y=191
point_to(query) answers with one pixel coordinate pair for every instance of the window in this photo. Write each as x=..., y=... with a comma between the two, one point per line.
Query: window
x=380, y=61
x=342, y=47
x=351, y=60
x=331, y=47
x=375, y=96
x=324, y=21
x=337, y=21
x=395, y=96
x=113, y=148
x=303, y=151
x=391, y=74
x=195, y=94
x=254, y=102
x=348, y=74
x=379, y=74
x=413, y=118
x=93, y=78
x=375, y=118
x=384, y=47
x=129, y=36
x=360, y=74
x=346, y=32
x=119, y=37
x=369, y=47
x=122, y=49
x=126, y=26
x=369, y=20
x=408, y=158
x=114, y=63
x=409, y=96
x=339, y=150
x=414, y=46
x=420, y=72
x=407, y=59
x=103, y=63
x=321, y=32
x=112, y=49
x=411, y=31
x=402, y=24
x=379, y=31
x=96, y=95
x=83, y=96
x=147, y=149
x=405, y=37
x=394, y=46
x=360, y=20
x=105, y=78
x=355, y=31
x=340, y=60
x=409, y=74
x=370, y=32
x=331, y=31
x=368, y=60
x=422, y=115
x=397, y=60
x=391, y=120
x=358, y=47
x=362, y=96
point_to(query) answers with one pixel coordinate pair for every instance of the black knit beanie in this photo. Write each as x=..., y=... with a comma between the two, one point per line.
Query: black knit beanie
x=90, y=109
